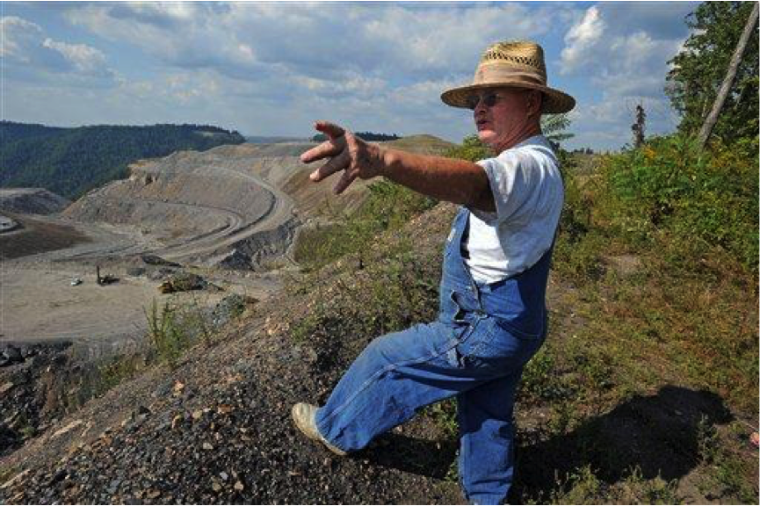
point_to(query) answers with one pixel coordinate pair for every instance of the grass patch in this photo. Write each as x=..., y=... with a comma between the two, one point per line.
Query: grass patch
x=727, y=471
x=119, y=369
x=583, y=486
x=680, y=323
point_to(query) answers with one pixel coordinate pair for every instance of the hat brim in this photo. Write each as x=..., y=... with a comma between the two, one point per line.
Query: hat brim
x=555, y=101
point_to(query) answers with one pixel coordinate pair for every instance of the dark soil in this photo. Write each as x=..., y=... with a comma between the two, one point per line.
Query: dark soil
x=25, y=397
x=36, y=236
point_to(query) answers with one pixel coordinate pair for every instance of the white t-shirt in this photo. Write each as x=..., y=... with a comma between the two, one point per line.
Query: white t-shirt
x=528, y=192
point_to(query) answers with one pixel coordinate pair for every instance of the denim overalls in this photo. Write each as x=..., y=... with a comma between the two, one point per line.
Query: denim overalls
x=476, y=350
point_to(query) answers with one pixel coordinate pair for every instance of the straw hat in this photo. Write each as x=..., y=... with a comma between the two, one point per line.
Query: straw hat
x=517, y=64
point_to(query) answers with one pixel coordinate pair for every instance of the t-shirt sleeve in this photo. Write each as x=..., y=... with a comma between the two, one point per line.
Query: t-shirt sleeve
x=513, y=179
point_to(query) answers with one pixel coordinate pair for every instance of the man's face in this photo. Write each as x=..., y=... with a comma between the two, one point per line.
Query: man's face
x=503, y=116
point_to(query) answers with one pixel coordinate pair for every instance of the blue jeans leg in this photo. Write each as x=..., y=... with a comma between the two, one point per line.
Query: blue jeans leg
x=399, y=373
x=486, y=432
x=396, y=375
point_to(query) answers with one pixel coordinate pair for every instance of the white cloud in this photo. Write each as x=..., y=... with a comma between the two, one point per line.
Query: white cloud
x=580, y=41
x=622, y=50
x=272, y=68
x=321, y=41
x=19, y=36
x=27, y=51
x=84, y=59
x=372, y=65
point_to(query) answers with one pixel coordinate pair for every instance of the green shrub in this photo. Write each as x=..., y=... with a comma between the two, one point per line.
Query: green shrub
x=115, y=370
x=700, y=199
x=472, y=149
x=166, y=334
x=578, y=247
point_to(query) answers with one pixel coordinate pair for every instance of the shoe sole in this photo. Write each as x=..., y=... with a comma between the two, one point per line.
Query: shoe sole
x=308, y=432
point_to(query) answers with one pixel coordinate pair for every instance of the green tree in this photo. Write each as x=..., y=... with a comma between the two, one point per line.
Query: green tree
x=472, y=149
x=555, y=128
x=698, y=72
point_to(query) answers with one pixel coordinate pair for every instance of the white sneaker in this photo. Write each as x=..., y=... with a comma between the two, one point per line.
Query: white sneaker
x=304, y=418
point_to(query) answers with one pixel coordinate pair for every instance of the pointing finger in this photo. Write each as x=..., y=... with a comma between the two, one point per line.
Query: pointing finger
x=330, y=129
x=327, y=148
x=340, y=162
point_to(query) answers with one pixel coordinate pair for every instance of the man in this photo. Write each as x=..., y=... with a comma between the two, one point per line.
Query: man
x=492, y=317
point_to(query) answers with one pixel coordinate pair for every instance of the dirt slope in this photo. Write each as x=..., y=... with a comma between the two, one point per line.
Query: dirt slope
x=29, y=236
x=217, y=429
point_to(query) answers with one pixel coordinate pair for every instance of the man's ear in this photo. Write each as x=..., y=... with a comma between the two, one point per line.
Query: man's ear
x=535, y=103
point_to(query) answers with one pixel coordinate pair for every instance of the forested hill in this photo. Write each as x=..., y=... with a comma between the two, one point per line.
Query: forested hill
x=71, y=161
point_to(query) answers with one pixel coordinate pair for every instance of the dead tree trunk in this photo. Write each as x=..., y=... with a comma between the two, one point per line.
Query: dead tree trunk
x=728, y=81
x=639, y=127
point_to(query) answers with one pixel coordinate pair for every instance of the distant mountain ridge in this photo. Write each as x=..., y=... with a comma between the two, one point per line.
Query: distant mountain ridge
x=272, y=139
x=71, y=161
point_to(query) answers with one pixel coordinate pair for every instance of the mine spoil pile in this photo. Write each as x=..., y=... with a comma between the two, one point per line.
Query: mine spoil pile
x=31, y=201
x=197, y=205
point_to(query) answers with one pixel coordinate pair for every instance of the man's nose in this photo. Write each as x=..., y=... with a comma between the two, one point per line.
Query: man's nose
x=480, y=108
x=480, y=105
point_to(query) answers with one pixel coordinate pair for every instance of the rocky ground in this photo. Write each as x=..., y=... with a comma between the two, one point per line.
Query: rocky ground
x=43, y=381
x=217, y=429
x=26, y=373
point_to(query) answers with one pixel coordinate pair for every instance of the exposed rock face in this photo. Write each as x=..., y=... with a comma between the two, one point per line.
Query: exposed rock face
x=250, y=253
x=27, y=374
x=31, y=201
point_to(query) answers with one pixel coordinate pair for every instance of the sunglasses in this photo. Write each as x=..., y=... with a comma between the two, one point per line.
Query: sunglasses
x=489, y=99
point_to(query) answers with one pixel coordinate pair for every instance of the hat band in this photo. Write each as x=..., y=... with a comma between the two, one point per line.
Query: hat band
x=493, y=74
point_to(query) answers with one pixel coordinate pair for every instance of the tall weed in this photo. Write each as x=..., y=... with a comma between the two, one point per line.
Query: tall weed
x=166, y=334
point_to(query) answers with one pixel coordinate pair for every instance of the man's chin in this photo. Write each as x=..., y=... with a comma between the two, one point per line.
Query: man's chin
x=488, y=137
x=485, y=136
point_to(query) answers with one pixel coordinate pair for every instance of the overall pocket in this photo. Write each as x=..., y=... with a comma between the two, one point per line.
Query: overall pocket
x=495, y=346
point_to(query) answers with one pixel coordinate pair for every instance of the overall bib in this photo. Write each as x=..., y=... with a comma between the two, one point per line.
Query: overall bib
x=475, y=350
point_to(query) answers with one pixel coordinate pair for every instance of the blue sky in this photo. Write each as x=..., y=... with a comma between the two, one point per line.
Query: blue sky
x=274, y=68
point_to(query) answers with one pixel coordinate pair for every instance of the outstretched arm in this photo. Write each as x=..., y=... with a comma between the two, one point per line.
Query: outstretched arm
x=457, y=181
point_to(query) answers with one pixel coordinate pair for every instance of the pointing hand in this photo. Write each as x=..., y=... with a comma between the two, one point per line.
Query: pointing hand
x=346, y=152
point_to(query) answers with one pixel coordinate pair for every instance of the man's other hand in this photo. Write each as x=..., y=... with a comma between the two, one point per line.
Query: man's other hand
x=346, y=152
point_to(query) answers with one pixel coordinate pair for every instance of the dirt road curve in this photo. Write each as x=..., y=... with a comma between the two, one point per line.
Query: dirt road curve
x=189, y=207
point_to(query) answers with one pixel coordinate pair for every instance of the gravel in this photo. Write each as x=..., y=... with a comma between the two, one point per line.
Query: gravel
x=218, y=430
